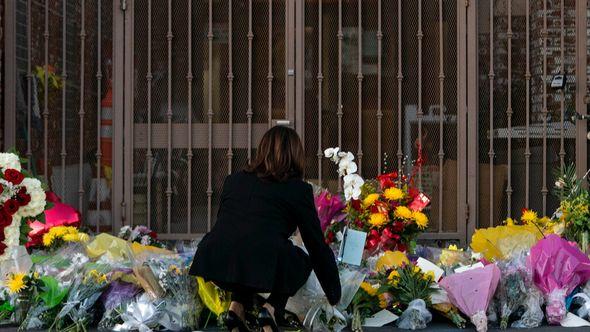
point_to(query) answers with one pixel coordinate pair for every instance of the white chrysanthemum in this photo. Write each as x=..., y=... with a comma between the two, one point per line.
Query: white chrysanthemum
x=9, y=160
x=12, y=237
x=37, y=204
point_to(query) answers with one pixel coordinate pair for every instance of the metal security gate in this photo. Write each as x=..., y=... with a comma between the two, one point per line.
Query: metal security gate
x=150, y=104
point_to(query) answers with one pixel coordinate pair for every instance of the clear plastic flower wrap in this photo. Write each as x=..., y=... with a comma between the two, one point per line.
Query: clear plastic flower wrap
x=310, y=303
x=415, y=317
x=141, y=315
x=533, y=314
x=512, y=289
x=582, y=301
x=64, y=264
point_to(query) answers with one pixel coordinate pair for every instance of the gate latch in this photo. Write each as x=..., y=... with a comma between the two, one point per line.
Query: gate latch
x=123, y=5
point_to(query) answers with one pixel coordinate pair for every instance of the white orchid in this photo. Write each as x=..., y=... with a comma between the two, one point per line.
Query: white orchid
x=346, y=167
x=332, y=153
x=351, y=193
x=352, y=186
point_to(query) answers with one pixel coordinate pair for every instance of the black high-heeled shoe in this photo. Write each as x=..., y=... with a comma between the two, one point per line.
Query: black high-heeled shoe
x=233, y=321
x=266, y=319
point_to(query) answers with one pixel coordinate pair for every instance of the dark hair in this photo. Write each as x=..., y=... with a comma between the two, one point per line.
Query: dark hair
x=279, y=156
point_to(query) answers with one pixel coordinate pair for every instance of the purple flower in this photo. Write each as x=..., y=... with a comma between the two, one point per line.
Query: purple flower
x=118, y=292
x=330, y=208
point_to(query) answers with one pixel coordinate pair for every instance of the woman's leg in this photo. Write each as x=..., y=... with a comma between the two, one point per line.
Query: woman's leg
x=240, y=300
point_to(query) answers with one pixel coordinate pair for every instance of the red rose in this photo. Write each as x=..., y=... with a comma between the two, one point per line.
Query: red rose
x=22, y=197
x=402, y=247
x=1, y=188
x=2, y=248
x=398, y=227
x=153, y=235
x=356, y=204
x=14, y=176
x=11, y=206
x=4, y=221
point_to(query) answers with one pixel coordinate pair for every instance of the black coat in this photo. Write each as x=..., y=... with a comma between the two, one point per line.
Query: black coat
x=249, y=244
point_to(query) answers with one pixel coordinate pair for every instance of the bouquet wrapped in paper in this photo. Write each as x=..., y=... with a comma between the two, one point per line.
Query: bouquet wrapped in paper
x=471, y=291
x=557, y=268
x=512, y=289
x=442, y=304
x=415, y=317
x=502, y=242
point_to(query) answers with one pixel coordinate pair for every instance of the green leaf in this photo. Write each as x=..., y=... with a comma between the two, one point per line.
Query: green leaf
x=51, y=294
x=24, y=232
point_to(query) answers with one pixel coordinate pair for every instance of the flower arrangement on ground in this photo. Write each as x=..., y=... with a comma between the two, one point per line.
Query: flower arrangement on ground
x=389, y=208
x=141, y=234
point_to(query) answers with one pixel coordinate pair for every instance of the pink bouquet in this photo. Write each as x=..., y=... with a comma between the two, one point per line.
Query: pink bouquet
x=471, y=291
x=557, y=267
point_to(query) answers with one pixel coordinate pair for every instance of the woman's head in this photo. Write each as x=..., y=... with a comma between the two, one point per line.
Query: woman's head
x=279, y=156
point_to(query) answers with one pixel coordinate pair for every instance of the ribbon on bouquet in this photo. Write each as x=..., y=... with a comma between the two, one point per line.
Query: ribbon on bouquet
x=332, y=315
x=139, y=316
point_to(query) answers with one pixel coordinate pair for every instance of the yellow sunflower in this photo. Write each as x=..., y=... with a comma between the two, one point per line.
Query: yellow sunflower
x=393, y=194
x=370, y=199
x=377, y=219
x=421, y=219
x=529, y=216
x=403, y=212
x=16, y=283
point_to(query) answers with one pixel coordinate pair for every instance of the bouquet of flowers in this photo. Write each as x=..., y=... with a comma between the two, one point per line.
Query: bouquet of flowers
x=22, y=198
x=442, y=304
x=512, y=289
x=330, y=211
x=365, y=303
x=389, y=208
x=557, y=268
x=21, y=288
x=78, y=312
x=48, y=300
x=142, y=235
x=59, y=214
x=60, y=235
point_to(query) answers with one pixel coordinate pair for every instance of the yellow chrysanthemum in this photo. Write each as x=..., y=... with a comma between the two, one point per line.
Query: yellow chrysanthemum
x=15, y=283
x=529, y=216
x=71, y=238
x=417, y=269
x=453, y=247
x=393, y=194
x=370, y=199
x=403, y=212
x=368, y=288
x=48, y=239
x=509, y=222
x=421, y=219
x=377, y=219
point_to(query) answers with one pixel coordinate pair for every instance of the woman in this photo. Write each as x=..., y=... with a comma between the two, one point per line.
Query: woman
x=248, y=251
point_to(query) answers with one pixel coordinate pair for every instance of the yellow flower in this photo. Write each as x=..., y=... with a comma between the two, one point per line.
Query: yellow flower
x=71, y=237
x=393, y=194
x=421, y=219
x=394, y=274
x=368, y=288
x=528, y=216
x=83, y=237
x=377, y=219
x=453, y=247
x=16, y=283
x=403, y=212
x=48, y=239
x=509, y=222
x=429, y=276
x=417, y=269
x=370, y=199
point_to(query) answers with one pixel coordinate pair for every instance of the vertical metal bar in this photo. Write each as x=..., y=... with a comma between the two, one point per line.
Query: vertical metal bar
x=379, y=111
x=340, y=110
x=9, y=86
x=249, y=111
x=400, y=78
x=472, y=113
x=189, y=86
x=544, y=112
x=320, y=78
x=419, y=36
x=29, y=86
x=509, y=112
x=581, y=86
x=359, y=78
x=81, y=110
x=491, y=75
x=149, y=153
x=98, y=109
x=562, y=92
x=64, y=79
x=463, y=220
x=46, y=93
x=230, y=83
x=527, y=152
x=299, y=63
x=210, y=116
x=269, y=76
x=169, y=37
x=441, y=100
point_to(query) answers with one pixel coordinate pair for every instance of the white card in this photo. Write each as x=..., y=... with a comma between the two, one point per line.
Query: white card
x=380, y=319
x=572, y=320
x=352, y=247
x=469, y=267
x=426, y=266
